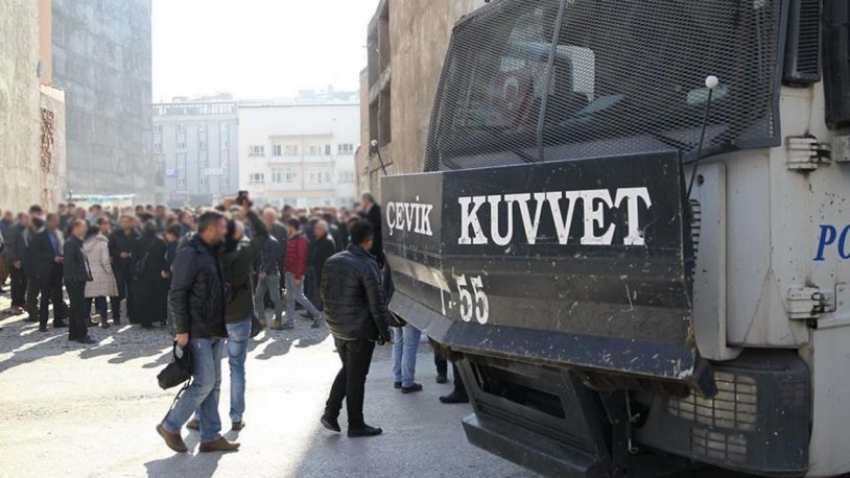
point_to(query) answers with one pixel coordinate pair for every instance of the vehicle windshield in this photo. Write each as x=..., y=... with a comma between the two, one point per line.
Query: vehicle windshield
x=626, y=76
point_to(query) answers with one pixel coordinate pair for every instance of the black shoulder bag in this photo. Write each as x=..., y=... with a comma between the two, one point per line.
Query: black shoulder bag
x=179, y=370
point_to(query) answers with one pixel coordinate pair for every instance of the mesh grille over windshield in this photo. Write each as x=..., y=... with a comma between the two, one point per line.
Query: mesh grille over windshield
x=627, y=76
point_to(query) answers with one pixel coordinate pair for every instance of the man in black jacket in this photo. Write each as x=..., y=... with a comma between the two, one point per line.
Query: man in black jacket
x=372, y=213
x=197, y=299
x=77, y=272
x=45, y=251
x=15, y=250
x=357, y=316
x=122, y=244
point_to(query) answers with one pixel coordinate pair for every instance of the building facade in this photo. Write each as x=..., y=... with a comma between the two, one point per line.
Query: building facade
x=32, y=113
x=198, y=143
x=407, y=42
x=300, y=152
x=101, y=58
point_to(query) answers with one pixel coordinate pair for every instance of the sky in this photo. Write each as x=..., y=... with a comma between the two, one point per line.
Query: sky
x=257, y=48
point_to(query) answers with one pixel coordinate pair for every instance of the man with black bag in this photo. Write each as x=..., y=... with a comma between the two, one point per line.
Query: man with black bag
x=357, y=316
x=198, y=303
x=238, y=259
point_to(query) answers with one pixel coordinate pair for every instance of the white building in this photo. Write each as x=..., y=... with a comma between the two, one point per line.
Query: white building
x=299, y=152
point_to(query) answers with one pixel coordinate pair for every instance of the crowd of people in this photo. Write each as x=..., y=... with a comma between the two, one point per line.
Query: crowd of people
x=211, y=274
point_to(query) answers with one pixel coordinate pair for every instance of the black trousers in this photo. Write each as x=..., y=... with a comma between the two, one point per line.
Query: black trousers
x=441, y=364
x=33, y=290
x=124, y=279
x=51, y=291
x=350, y=383
x=78, y=320
x=19, y=286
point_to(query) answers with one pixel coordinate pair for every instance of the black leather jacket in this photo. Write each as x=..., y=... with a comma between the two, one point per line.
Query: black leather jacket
x=197, y=295
x=354, y=297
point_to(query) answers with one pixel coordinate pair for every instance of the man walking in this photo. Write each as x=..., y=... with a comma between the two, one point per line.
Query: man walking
x=372, y=213
x=296, y=264
x=122, y=244
x=357, y=316
x=269, y=282
x=77, y=273
x=238, y=259
x=197, y=299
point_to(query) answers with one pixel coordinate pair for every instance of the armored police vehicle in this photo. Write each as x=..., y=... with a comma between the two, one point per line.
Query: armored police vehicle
x=634, y=227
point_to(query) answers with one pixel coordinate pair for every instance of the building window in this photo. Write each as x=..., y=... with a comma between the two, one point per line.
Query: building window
x=257, y=150
x=290, y=175
x=276, y=150
x=277, y=177
x=315, y=150
x=157, y=129
x=181, y=128
x=202, y=145
x=290, y=150
x=328, y=177
x=346, y=149
x=327, y=150
x=157, y=147
x=257, y=178
x=346, y=176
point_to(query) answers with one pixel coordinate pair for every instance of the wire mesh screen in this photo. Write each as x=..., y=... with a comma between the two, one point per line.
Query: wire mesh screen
x=614, y=77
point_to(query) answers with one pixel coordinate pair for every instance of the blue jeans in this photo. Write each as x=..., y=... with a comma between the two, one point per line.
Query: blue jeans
x=296, y=293
x=203, y=394
x=405, y=346
x=237, y=350
x=271, y=284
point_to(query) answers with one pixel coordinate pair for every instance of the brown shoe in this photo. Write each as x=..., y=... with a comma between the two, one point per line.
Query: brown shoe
x=238, y=426
x=173, y=440
x=193, y=425
x=277, y=325
x=221, y=444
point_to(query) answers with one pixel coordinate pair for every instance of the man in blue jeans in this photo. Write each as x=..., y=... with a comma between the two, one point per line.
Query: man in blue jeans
x=238, y=259
x=405, y=346
x=197, y=298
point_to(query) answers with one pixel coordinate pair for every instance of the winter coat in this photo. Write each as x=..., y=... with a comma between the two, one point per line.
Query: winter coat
x=103, y=283
x=296, y=255
x=76, y=266
x=354, y=297
x=238, y=262
x=197, y=295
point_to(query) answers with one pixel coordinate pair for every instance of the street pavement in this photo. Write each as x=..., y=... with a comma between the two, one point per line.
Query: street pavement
x=90, y=411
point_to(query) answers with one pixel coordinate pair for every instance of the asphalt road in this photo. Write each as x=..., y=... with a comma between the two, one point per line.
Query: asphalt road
x=76, y=411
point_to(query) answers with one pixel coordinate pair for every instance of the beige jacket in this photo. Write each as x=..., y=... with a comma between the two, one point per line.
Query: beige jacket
x=103, y=285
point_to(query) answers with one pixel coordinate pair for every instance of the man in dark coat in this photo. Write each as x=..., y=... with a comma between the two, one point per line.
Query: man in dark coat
x=122, y=245
x=357, y=316
x=321, y=249
x=77, y=272
x=15, y=250
x=198, y=303
x=238, y=260
x=150, y=278
x=372, y=213
x=46, y=253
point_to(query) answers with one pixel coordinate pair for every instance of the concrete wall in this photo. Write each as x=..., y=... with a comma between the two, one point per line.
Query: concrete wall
x=19, y=100
x=102, y=59
x=419, y=32
x=53, y=156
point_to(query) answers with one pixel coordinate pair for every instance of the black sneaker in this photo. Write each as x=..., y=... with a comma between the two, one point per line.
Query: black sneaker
x=331, y=423
x=59, y=324
x=397, y=385
x=441, y=379
x=416, y=387
x=86, y=340
x=453, y=398
x=364, y=431
x=42, y=329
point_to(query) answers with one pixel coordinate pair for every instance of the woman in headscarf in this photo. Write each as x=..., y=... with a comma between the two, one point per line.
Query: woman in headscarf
x=150, y=274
